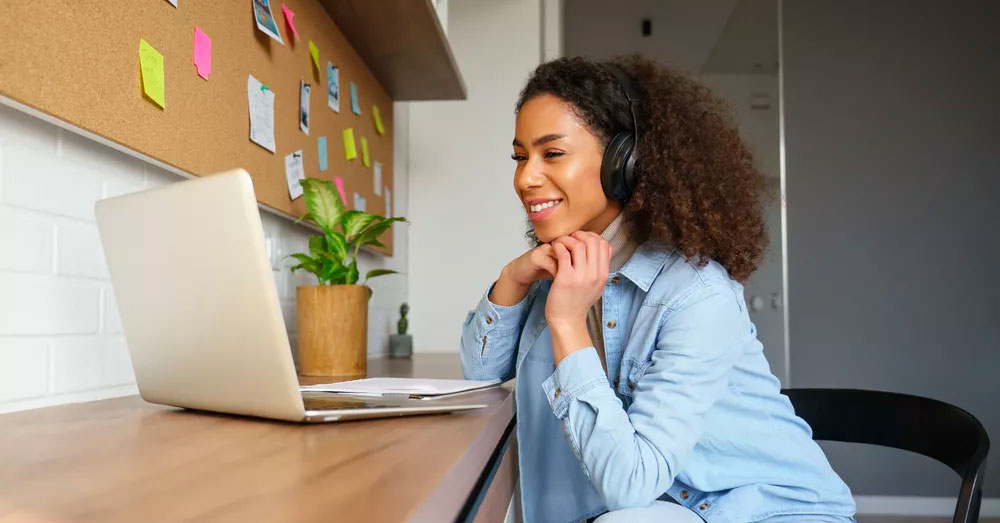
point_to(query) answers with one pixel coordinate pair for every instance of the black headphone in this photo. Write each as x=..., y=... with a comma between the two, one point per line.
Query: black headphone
x=618, y=164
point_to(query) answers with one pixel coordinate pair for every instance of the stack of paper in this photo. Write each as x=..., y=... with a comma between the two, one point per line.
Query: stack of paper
x=403, y=387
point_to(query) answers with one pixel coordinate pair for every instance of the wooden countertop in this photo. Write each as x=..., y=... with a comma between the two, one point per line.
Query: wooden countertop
x=126, y=460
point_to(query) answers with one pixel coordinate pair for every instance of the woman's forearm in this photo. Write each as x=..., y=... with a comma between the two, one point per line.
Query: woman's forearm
x=508, y=292
x=568, y=338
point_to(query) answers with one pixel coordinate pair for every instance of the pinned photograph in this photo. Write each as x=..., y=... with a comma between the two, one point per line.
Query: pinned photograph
x=265, y=19
x=304, y=106
x=333, y=87
x=293, y=173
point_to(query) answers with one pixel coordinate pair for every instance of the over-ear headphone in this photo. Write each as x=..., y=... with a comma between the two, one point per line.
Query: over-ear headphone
x=618, y=164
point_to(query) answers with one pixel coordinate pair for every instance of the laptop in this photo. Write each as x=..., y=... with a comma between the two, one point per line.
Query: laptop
x=200, y=310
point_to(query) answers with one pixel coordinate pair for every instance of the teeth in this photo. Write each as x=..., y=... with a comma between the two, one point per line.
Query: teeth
x=540, y=206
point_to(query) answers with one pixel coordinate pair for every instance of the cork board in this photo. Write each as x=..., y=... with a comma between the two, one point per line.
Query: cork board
x=78, y=61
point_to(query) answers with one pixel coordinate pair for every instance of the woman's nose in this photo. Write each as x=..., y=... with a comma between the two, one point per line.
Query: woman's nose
x=529, y=176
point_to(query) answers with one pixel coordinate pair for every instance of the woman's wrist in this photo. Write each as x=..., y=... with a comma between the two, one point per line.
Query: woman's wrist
x=507, y=291
x=568, y=336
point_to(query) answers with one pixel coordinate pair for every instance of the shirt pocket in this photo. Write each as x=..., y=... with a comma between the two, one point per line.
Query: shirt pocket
x=628, y=378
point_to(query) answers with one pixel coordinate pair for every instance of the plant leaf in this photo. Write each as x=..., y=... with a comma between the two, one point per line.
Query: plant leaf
x=305, y=216
x=336, y=273
x=310, y=264
x=317, y=247
x=372, y=233
x=355, y=222
x=323, y=202
x=337, y=245
x=379, y=272
x=352, y=273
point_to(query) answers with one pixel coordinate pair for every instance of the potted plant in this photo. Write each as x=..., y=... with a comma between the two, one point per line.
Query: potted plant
x=333, y=315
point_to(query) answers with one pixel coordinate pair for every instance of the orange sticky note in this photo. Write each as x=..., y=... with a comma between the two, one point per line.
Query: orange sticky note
x=151, y=65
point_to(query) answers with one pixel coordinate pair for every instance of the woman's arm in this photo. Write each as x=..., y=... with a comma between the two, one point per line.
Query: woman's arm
x=491, y=332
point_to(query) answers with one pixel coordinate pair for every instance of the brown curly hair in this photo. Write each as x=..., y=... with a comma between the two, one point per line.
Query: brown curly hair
x=697, y=187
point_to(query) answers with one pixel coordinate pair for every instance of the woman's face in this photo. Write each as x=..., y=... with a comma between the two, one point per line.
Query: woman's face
x=558, y=176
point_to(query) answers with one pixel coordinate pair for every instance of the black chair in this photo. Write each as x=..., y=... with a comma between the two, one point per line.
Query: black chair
x=922, y=425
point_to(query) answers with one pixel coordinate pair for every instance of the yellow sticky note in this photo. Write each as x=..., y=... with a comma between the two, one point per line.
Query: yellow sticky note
x=378, y=120
x=350, y=151
x=364, y=152
x=151, y=65
x=314, y=53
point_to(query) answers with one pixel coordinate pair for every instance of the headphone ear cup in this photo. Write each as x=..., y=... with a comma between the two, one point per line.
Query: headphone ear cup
x=617, y=177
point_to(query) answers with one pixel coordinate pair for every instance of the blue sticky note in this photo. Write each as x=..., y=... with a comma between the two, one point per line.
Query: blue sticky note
x=355, y=107
x=321, y=145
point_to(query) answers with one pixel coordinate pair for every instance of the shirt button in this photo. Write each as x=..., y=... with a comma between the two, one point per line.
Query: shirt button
x=612, y=324
x=616, y=383
x=630, y=384
x=557, y=392
x=489, y=320
x=703, y=506
x=616, y=279
x=684, y=494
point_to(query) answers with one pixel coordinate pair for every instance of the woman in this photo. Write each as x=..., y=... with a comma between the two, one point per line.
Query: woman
x=641, y=387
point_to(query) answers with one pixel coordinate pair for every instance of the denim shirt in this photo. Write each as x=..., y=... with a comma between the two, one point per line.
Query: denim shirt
x=688, y=410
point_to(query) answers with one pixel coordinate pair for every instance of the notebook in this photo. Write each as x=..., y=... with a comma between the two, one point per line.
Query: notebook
x=417, y=388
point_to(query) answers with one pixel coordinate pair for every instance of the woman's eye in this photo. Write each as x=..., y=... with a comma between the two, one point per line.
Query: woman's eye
x=517, y=157
x=553, y=154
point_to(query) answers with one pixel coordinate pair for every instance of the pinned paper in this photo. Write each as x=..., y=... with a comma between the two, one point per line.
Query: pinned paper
x=378, y=120
x=321, y=152
x=202, y=53
x=294, y=173
x=261, y=101
x=173, y=2
x=359, y=203
x=332, y=87
x=388, y=203
x=289, y=15
x=265, y=19
x=151, y=65
x=364, y=152
x=314, y=53
x=340, y=188
x=378, y=179
x=350, y=151
x=354, y=100
x=304, y=90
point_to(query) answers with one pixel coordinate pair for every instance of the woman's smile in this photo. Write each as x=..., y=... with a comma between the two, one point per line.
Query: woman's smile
x=540, y=208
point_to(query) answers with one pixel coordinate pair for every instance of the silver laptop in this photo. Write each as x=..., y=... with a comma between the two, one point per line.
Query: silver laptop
x=200, y=309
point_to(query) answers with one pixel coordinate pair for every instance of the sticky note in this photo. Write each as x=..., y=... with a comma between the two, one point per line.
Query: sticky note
x=359, y=203
x=173, y=2
x=151, y=64
x=378, y=120
x=364, y=152
x=314, y=53
x=294, y=173
x=340, y=188
x=354, y=100
x=350, y=151
x=261, y=101
x=289, y=15
x=321, y=152
x=388, y=203
x=378, y=179
x=202, y=53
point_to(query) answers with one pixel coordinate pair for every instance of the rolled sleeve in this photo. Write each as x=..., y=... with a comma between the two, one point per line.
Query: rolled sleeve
x=575, y=375
x=489, y=337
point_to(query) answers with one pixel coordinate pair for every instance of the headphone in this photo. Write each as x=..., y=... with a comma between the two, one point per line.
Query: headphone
x=618, y=163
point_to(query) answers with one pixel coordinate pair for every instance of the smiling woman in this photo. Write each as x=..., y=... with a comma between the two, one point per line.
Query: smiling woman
x=642, y=390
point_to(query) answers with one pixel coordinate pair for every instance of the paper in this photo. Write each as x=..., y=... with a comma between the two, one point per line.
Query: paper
x=378, y=120
x=289, y=15
x=388, y=203
x=364, y=152
x=402, y=386
x=350, y=151
x=378, y=178
x=294, y=173
x=354, y=100
x=359, y=202
x=332, y=87
x=304, y=89
x=202, y=53
x=151, y=65
x=173, y=2
x=314, y=53
x=321, y=152
x=265, y=19
x=340, y=188
x=261, y=101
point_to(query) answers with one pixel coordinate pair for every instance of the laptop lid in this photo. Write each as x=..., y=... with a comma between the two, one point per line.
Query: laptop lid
x=197, y=297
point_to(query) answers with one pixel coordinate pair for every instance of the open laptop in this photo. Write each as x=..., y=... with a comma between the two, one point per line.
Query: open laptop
x=200, y=310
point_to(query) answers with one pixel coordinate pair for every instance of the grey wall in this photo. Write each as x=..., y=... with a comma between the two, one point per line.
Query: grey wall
x=893, y=199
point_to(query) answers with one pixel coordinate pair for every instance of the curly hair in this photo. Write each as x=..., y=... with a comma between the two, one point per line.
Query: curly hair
x=698, y=189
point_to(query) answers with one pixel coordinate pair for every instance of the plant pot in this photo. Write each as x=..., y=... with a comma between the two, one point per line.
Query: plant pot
x=333, y=330
x=400, y=345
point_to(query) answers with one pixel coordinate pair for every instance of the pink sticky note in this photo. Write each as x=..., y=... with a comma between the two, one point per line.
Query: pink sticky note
x=340, y=187
x=289, y=15
x=202, y=53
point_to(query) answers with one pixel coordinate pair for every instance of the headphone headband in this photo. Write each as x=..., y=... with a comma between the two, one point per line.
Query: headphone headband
x=631, y=94
x=618, y=163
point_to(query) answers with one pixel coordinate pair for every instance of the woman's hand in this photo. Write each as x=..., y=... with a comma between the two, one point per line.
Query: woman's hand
x=583, y=260
x=518, y=275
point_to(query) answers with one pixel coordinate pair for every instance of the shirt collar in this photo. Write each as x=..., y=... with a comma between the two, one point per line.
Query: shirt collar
x=645, y=264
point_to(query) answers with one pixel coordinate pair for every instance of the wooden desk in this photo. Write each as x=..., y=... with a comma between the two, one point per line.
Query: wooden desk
x=126, y=460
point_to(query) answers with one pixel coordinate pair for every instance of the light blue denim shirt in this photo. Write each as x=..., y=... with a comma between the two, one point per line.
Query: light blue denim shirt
x=688, y=409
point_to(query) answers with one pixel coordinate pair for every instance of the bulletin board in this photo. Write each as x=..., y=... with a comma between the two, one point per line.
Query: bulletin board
x=78, y=60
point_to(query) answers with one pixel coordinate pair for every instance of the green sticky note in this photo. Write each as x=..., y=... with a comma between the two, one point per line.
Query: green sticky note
x=151, y=65
x=350, y=151
x=378, y=120
x=364, y=152
x=314, y=53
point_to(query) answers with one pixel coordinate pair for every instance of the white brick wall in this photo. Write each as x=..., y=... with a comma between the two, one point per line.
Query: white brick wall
x=61, y=339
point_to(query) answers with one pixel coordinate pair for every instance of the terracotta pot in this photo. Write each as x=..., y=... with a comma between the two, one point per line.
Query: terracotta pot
x=333, y=330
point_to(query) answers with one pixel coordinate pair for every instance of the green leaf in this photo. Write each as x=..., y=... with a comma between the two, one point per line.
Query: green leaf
x=379, y=272
x=317, y=247
x=305, y=216
x=352, y=273
x=335, y=273
x=355, y=222
x=372, y=233
x=323, y=202
x=337, y=245
x=312, y=265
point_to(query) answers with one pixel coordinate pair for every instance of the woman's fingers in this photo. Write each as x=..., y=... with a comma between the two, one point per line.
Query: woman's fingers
x=563, y=258
x=577, y=249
